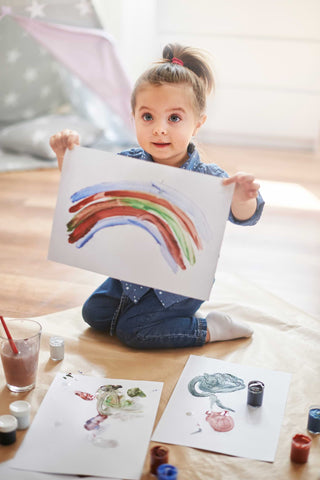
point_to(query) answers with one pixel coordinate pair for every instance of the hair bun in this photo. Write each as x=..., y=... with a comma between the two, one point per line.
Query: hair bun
x=192, y=58
x=168, y=52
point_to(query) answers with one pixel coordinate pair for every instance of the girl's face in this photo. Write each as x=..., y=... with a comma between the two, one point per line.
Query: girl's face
x=165, y=121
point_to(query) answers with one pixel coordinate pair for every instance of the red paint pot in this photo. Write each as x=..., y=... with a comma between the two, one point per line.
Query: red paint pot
x=300, y=448
x=159, y=456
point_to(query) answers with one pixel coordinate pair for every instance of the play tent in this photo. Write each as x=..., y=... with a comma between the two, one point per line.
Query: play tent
x=59, y=69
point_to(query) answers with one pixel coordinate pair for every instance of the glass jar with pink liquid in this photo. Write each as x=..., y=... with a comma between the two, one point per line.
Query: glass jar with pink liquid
x=20, y=369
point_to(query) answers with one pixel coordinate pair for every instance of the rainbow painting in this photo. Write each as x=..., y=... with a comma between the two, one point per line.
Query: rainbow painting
x=174, y=222
x=167, y=223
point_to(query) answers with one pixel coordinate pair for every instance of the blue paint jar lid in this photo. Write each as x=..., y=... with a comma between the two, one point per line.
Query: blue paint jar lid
x=8, y=423
x=167, y=472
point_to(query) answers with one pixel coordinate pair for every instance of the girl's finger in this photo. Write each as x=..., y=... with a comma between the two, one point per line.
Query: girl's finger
x=239, y=178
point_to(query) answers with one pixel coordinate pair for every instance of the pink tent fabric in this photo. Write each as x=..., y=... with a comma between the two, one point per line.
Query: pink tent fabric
x=88, y=53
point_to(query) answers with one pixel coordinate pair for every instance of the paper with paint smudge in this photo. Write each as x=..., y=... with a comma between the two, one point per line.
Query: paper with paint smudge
x=81, y=440
x=167, y=223
x=208, y=409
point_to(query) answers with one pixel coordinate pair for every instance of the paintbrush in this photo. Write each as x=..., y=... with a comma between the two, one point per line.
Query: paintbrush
x=12, y=344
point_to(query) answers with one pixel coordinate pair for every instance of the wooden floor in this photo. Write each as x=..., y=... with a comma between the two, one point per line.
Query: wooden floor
x=281, y=253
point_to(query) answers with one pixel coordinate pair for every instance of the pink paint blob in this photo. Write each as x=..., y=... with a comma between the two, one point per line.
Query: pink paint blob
x=84, y=395
x=220, y=421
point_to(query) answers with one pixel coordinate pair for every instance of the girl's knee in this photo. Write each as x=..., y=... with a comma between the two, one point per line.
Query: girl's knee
x=88, y=313
x=95, y=316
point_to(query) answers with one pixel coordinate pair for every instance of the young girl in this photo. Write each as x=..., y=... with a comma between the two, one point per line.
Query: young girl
x=168, y=107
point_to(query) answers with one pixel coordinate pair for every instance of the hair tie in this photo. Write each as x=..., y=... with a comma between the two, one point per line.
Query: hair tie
x=177, y=61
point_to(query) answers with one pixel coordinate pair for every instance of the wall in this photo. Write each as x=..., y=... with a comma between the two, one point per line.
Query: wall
x=266, y=57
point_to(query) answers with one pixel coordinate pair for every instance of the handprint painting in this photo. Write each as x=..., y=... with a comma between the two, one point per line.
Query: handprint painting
x=208, y=409
x=111, y=400
x=96, y=426
x=208, y=385
x=141, y=222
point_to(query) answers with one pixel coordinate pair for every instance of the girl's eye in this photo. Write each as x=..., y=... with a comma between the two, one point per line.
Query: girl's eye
x=147, y=117
x=174, y=118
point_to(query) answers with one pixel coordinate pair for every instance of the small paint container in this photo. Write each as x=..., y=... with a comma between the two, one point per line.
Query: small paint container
x=255, y=393
x=314, y=419
x=300, y=448
x=21, y=410
x=56, y=348
x=159, y=455
x=8, y=429
x=167, y=472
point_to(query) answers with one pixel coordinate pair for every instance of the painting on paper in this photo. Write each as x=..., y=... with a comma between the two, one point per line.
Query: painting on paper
x=208, y=409
x=94, y=426
x=167, y=223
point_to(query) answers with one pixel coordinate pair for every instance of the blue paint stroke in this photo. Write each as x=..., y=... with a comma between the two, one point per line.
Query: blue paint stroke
x=126, y=220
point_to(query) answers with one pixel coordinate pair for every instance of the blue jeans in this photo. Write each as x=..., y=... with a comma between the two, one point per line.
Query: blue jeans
x=146, y=324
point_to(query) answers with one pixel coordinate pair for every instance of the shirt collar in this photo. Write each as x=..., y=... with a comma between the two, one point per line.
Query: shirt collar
x=193, y=158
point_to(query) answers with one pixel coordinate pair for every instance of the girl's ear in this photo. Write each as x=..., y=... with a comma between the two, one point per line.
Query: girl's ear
x=199, y=124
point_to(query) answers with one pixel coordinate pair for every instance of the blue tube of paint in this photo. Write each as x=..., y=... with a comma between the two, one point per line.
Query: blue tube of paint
x=255, y=393
x=167, y=472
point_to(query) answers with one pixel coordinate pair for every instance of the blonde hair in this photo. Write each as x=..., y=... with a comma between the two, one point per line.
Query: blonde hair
x=192, y=69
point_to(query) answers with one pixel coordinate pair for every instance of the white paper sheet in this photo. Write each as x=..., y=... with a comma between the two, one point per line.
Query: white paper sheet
x=167, y=223
x=58, y=441
x=7, y=472
x=255, y=432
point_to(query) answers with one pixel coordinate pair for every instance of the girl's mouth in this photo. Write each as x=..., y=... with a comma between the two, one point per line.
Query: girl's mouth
x=160, y=145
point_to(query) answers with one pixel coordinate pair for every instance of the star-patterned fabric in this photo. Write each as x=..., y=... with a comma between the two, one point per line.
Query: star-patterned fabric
x=79, y=13
x=30, y=80
x=30, y=84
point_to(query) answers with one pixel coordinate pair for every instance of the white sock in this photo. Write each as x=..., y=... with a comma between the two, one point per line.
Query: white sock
x=221, y=327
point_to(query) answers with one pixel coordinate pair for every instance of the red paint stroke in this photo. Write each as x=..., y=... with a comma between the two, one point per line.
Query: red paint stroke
x=220, y=421
x=84, y=395
x=94, y=422
x=91, y=209
x=168, y=237
x=181, y=215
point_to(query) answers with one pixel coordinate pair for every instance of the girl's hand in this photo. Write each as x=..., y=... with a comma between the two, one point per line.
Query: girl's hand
x=245, y=193
x=63, y=140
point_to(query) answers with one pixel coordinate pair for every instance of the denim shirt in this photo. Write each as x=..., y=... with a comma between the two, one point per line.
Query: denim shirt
x=135, y=292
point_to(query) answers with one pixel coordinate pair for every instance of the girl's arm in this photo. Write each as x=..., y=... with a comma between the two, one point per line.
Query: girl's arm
x=244, y=201
x=63, y=140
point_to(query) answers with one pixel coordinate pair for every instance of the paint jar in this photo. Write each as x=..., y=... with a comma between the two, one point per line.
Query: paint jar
x=159, y=455
x=255, y=393
x=56, y=348
x=314, y=419
x=300, y=448
x=167, y=472
x=21, y=410
x=8, y=429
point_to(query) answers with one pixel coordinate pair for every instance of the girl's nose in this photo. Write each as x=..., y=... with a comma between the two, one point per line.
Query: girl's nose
x=159, y=130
